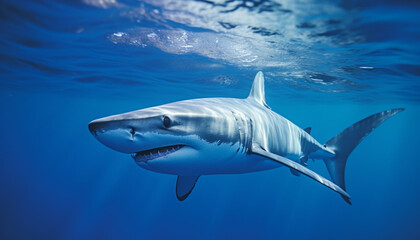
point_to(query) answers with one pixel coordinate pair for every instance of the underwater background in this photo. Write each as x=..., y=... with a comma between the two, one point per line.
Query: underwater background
x=327, y=65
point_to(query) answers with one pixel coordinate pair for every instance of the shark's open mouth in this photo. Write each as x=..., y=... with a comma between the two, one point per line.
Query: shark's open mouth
x=147, y=155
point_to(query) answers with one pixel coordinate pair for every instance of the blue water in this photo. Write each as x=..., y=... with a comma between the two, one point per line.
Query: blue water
x=327, y=64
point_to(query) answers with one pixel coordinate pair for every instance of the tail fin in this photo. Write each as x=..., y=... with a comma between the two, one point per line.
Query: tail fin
x=344, y=143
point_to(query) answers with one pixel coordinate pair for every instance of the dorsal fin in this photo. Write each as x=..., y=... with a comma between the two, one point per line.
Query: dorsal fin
x=257, y=91
x=308, y=130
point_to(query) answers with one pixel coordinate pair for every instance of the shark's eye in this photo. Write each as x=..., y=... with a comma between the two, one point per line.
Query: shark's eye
x=166, y=121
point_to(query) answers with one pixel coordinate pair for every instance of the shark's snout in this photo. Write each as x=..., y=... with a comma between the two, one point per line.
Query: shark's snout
x=93, y=128
x=116, y=135
x=97, y=128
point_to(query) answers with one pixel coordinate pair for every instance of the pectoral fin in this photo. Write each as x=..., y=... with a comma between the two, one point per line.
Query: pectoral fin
x=256, y=149
x=184, y=186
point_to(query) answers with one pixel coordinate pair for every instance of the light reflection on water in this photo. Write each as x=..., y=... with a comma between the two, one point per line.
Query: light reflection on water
x=338, y=50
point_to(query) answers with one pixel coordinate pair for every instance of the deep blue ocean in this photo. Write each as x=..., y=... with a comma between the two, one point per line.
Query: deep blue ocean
x=327, y=65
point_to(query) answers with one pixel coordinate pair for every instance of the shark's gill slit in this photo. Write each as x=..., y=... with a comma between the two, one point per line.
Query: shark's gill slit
x=150, y=154
x=132, y=131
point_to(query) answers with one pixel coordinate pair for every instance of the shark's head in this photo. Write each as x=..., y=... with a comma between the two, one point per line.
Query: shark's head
x=173, y=138
x=186, y=137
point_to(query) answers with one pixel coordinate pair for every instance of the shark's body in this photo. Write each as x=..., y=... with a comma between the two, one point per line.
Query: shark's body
x=227, y=136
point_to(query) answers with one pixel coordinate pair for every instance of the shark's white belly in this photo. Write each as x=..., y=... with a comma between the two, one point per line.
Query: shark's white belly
x=215, y=159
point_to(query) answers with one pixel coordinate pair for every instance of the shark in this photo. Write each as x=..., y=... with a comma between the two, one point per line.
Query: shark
x=209, y=136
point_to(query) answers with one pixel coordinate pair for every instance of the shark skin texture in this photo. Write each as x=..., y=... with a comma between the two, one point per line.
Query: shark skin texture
x=228, y=136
